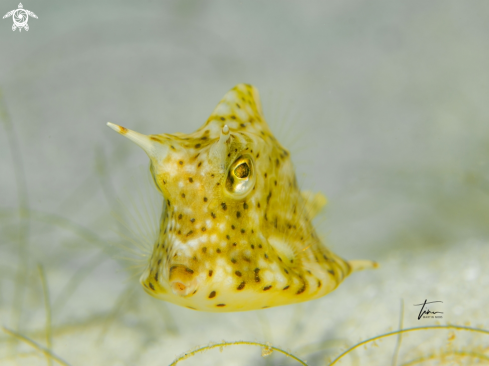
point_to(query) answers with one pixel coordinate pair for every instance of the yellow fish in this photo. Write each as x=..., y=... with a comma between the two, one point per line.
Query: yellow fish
x=236, y=232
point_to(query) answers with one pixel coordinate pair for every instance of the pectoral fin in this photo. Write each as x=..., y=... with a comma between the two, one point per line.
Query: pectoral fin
x=314, y=202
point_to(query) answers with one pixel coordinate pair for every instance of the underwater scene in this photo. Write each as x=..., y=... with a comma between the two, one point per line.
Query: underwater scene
x=244, y=183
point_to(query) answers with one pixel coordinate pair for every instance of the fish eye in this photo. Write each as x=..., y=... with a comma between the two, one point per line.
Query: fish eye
x=241, y=177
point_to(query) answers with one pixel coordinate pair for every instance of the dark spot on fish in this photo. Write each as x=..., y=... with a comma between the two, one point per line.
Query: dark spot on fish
x=302, y=289
x=224, y=206
x=238, y=273
x=221, y=305
x=210, y=273
x=152, y=287
x=241, y=286
x=189, y=270
x=266, y=288
x=286, y=287
x=212, y=294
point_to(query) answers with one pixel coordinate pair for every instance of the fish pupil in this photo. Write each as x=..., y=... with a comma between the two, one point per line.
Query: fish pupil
x=242, y=171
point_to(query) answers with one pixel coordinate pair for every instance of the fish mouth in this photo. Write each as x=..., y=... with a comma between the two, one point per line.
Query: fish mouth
x=182, y=280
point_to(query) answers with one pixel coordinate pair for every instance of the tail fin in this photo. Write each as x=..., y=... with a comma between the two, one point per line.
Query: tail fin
x=361, y=264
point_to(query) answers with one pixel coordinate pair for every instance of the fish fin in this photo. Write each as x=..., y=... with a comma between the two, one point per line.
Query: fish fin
x=138, y=214
x=361, y=264
x=314, y=202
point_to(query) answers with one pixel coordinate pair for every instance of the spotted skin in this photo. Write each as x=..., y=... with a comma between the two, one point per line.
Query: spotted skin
x=236, y=231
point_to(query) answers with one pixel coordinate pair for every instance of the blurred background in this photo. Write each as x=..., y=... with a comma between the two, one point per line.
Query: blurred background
x=383, y=105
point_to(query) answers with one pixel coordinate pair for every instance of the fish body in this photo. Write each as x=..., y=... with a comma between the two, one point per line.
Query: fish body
x=235, y=231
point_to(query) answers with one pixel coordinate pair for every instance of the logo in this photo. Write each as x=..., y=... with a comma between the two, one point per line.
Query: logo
x=426, y=313
x=20, y=17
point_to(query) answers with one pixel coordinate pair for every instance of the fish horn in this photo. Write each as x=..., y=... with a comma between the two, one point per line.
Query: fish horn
x=224, y=135
x=362, y=264
x=219, y=150
x=154, y=149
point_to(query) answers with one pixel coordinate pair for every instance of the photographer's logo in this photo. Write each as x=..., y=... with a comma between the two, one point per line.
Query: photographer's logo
x=426, y=313
x=20, y=17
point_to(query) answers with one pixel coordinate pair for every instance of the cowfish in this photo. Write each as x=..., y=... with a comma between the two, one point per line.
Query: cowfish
x=235, y=230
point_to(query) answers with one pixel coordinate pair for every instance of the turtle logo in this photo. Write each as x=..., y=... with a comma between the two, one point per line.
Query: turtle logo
x=20, y=17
